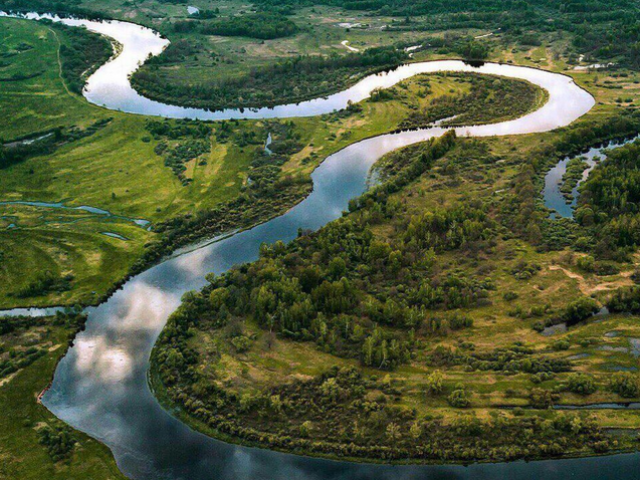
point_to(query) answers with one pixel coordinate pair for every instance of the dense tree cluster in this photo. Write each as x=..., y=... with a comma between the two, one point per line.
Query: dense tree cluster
x=288, y=80
x=81, y=53
x=610, y=201
x=338, y=289
x=58, y=440
x=263, y=25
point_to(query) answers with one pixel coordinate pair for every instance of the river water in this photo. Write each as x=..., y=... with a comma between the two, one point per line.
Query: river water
x=553, y=197
x=100, y=386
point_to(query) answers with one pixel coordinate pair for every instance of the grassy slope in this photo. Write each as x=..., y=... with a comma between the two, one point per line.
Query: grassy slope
x=21, y=455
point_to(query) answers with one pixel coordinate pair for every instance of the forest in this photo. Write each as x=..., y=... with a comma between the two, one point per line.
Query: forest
x=378, y=294
x=262, y=25
x=290, y=80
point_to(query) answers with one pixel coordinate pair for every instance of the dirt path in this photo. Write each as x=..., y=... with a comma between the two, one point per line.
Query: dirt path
x=588, y=288
x=346, y=44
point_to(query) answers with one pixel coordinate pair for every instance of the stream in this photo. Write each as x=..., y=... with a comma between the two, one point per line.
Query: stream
x=83, y=208
x=553, y=197
x=100, y=386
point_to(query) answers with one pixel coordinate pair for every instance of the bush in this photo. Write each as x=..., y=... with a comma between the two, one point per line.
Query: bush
x=540, y=398
x=586, y=263
x=459, y=398
x=510, y=296
x=581, y=384
x=625, y=384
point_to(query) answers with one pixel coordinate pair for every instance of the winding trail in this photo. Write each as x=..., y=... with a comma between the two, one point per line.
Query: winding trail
x=100, y=386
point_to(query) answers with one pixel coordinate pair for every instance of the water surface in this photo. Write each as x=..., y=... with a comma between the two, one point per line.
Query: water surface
x=553, y=197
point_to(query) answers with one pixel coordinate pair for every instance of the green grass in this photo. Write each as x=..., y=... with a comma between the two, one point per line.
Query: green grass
x=22, y=101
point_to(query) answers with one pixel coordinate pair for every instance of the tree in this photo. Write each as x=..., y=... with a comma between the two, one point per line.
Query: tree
x=393, y=432
x=434, y=383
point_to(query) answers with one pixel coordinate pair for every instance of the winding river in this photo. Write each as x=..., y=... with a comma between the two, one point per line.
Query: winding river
x=100, y=386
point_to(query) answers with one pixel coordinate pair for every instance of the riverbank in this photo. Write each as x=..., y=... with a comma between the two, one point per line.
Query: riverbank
x=176, y=410
x=24, y=455
x=226, y=374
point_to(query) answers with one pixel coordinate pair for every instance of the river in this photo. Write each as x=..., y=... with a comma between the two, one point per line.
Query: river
x=100, y=386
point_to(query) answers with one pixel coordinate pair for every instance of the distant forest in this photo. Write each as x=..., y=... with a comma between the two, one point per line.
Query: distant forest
x=600, y=28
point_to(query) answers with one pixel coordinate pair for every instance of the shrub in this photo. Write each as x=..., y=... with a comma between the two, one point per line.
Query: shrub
x=625, y=384
x=434, y=382
x=625, y=300
x=540, y=398
x=581, y=384
x=459, y=398
x=510, y=296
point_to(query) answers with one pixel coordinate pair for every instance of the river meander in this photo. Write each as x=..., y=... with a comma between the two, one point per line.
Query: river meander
x=100, y=386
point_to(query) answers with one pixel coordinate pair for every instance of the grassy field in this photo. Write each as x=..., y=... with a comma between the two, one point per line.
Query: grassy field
x=21, y=452
x=117, y=169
